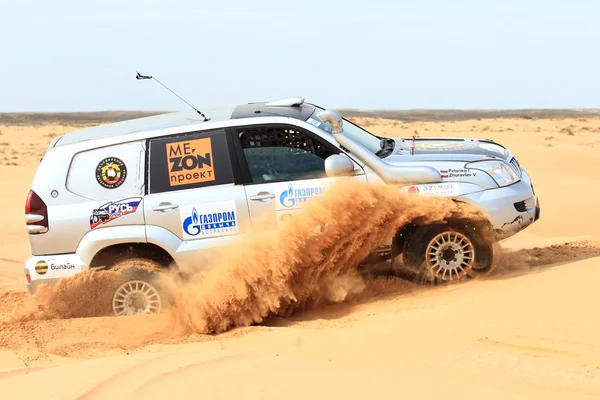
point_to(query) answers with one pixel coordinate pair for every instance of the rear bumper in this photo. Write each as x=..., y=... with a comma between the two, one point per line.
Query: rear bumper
x=33, y=286
x=510, y=209
x=47, y=270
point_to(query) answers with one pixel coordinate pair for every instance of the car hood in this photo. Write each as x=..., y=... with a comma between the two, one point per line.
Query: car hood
x=449, y=149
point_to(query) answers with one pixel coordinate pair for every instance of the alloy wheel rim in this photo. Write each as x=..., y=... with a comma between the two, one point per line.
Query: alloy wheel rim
x=136, y=298
x=450, y=255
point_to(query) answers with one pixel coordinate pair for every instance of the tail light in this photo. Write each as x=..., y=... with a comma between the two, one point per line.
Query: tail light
x=36, y=214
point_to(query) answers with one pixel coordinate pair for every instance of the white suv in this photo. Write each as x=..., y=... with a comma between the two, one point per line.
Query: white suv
x=169, y=188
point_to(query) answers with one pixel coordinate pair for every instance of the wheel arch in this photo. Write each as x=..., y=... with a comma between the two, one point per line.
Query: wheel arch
x=110, y=255
x=482, y=226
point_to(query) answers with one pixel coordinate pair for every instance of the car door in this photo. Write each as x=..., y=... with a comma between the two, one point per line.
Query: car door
x=193, y=200
x=283, y=168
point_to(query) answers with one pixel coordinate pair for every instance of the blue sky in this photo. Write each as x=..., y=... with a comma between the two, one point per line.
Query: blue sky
x=83, y=55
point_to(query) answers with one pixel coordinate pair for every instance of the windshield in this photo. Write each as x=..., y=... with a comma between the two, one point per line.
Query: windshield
x=354, y=132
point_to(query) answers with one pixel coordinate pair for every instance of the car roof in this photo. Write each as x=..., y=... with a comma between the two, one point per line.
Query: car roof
x=290, y=107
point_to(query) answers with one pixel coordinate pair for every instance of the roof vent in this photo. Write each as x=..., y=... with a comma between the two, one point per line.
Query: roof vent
x=288, y=102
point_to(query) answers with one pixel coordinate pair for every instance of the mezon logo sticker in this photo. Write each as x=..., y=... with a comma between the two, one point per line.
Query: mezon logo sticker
x=113, y=210
x=209, y=220
x=294, y=197
x=190, y=161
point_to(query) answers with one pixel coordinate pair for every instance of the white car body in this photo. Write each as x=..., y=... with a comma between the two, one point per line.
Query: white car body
x=178, y=210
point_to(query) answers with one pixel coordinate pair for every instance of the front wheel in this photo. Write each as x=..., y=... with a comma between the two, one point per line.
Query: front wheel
x=445, y=253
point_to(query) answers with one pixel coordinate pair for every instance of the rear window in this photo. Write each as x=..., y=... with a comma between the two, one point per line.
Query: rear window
x=108, y=172
x=189, y=161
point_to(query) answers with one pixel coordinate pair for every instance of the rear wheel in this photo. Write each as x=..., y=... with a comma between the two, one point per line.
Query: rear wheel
x=136, y=297
x=445, y=253
x=139, y=288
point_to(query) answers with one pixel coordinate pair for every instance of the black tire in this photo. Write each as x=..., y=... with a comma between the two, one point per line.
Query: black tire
x=141, y=281
x=467, y=254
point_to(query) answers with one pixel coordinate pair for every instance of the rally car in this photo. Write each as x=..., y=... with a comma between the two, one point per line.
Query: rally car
x=170, y=188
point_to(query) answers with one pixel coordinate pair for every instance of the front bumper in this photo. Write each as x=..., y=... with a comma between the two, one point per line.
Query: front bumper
x=47, y=270
x=510, y=209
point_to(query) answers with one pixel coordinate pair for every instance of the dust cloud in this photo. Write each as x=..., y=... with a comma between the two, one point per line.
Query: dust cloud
x=87, y=294
x=300, y=266
x=310, y=260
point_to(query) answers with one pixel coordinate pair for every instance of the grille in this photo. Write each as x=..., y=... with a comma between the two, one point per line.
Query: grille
x=516, y=166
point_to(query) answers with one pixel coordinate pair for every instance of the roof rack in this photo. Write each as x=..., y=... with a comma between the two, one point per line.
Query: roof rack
x=287, y=102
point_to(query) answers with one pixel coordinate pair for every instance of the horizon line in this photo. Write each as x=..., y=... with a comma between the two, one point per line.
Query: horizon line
x=129, y=110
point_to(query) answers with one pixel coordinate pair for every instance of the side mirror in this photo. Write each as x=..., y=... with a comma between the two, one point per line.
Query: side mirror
x=338, y=165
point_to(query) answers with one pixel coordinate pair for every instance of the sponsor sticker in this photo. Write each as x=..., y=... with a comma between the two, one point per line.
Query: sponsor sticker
x=190, y=161
x=56, y=267
x=457, y=173
x=111, y=173
x=435, y=189
x=209, y=220
x=113, y=210
x=64, y=266
x=41, y=267
x=295, y=196
x=444, y=145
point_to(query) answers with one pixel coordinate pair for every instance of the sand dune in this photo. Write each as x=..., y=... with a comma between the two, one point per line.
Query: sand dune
x=527, y=331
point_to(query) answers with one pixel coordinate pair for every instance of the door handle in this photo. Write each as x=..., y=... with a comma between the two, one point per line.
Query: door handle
x=262, y=196
x=165, y=207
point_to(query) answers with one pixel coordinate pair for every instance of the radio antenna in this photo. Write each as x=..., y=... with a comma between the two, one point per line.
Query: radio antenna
x=141, y=77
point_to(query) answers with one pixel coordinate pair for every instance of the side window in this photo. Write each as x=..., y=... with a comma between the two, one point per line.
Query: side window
x=189, y=161
x=283, y=154
x=108, y=173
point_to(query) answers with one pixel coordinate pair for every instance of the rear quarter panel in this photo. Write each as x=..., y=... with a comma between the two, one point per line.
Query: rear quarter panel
x=71, y=172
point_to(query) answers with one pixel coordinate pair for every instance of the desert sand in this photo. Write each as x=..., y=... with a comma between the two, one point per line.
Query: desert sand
x=529, y=330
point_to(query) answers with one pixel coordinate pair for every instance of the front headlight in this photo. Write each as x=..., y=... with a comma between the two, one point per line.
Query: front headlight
x=501, y=171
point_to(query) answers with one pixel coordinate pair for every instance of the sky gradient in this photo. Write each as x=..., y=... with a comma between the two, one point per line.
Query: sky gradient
x=78, y=56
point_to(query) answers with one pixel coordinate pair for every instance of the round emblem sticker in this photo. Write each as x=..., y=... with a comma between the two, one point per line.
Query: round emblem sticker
x=111, y=173
x=41, y=267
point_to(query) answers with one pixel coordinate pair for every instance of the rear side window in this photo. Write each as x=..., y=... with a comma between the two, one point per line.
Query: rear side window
x=109, y=172
x=189, y=161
